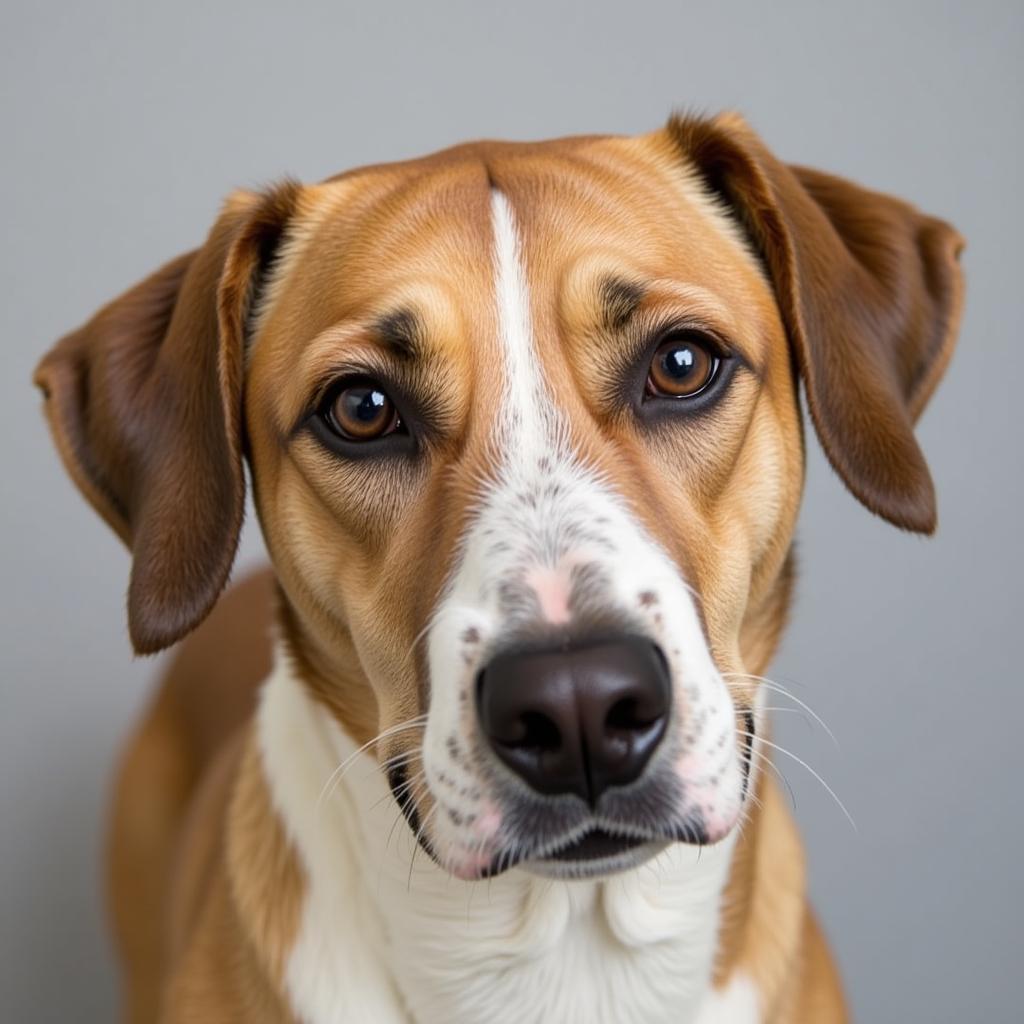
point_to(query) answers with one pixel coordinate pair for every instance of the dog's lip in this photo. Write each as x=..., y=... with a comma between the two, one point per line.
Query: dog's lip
x=593, y=847
x=595, y=844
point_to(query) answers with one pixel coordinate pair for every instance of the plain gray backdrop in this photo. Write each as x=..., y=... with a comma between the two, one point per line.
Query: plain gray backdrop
x=122, y=127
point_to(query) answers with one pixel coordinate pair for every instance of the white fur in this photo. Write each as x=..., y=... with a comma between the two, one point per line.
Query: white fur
x=337, y=970
x=735, y=1003
x=389, y=939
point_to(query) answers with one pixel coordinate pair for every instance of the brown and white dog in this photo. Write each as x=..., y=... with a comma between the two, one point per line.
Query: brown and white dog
x=524, y=436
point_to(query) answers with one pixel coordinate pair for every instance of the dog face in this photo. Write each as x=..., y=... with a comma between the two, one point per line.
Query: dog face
x=560, y=435
x=524, y=437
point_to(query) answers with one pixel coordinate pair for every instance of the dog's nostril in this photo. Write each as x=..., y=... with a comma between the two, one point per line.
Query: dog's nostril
x=628, y=716
x=535, y=732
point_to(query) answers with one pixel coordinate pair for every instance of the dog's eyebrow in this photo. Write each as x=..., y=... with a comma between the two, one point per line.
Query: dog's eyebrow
x=619, y=301
x=402, y=332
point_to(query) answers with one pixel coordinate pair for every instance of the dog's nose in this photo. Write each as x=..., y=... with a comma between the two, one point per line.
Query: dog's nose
x=579, y=719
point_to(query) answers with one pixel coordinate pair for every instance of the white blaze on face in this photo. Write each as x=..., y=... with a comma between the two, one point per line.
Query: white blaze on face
x=544, y=521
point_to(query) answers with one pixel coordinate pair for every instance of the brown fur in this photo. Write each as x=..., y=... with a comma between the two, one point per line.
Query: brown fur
x=856, y=291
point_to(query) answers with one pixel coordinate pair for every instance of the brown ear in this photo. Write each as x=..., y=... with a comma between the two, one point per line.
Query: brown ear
x=145, y=405
x=870, y=292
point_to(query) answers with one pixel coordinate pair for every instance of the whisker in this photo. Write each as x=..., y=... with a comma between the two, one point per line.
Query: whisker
x=400, y=792
x=776, y=710
x=416, y=844
x=335, y=777
x=800, y=761
x=771, y=684
x=431, y=619
x=754, y=799
x=398, y=817
x=400, y=760
x=775, y=768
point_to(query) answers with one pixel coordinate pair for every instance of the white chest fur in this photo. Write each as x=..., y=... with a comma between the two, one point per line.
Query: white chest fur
x=387, y=937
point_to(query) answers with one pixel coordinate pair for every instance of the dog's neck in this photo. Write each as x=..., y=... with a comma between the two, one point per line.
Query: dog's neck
x=385, y=935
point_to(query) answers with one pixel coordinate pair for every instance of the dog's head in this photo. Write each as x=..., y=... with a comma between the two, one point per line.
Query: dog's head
x=524, y=437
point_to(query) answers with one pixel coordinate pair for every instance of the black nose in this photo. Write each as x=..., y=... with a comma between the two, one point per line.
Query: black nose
x=576, y=720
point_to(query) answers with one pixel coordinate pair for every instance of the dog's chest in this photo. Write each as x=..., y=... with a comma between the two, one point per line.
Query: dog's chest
x=386, y=936
x=540, y=950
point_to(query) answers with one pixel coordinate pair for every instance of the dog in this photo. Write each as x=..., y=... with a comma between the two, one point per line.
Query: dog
x=524, y=434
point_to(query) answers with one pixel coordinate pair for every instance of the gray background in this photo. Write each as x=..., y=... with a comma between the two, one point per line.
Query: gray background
x=121, y=128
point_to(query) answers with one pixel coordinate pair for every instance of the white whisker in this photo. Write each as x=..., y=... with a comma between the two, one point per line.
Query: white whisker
x=800, y=761
x=335, y=777
x=776, y=687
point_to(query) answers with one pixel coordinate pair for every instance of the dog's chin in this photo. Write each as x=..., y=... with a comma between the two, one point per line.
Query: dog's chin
x=597, y=854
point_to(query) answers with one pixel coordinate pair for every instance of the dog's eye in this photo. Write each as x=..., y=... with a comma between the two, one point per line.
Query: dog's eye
x=682, y=367
x=362, y=411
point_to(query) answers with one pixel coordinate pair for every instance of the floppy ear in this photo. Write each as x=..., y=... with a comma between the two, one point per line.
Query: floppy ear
x=870, y=293
x=145, y=406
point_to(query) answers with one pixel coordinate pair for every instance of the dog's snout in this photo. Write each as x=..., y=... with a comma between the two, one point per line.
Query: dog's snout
x=579, y=719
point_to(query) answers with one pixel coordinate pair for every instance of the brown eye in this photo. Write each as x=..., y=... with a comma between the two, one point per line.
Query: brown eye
x=681, y=368
x=362, y=412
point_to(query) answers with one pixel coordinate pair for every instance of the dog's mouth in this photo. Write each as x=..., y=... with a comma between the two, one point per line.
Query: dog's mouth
x=595, y=845
x=595, y=854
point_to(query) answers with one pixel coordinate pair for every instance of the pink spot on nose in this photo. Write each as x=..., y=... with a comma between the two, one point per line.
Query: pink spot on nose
x=552, y=589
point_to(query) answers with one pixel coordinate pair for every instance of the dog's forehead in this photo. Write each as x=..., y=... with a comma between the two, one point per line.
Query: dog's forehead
x=631, y=199
x=593, y=217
